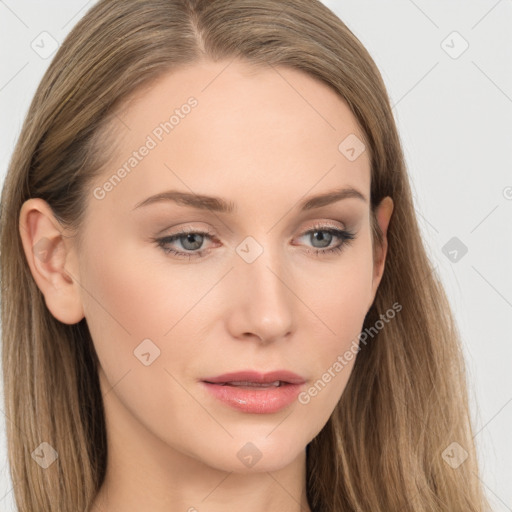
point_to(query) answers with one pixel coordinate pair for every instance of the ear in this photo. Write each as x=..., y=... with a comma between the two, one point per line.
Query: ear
x=383, y=214
x=48, y=251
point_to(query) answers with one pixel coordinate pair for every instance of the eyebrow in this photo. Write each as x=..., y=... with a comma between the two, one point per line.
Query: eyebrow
x=218, y=204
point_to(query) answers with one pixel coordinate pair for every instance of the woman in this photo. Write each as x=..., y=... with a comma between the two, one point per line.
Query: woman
x=215, y=292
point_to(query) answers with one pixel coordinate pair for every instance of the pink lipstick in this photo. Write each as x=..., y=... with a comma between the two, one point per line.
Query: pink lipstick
x=254, y=392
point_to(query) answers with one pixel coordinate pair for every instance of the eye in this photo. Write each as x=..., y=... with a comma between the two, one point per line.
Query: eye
x=324, y=235
x=192, y=240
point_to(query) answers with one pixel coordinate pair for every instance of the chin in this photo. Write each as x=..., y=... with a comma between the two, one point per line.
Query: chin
x=253, y=454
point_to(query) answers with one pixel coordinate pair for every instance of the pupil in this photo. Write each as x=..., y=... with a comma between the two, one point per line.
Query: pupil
x=323, y=237
x=190, y=238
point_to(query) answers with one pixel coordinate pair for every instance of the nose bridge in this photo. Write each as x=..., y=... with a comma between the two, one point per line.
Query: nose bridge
x=264, y=301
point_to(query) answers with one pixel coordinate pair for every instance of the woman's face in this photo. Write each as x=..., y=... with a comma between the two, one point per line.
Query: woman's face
x=266, y=280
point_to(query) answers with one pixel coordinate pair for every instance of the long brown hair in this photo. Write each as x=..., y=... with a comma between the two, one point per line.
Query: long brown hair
x=406, y=400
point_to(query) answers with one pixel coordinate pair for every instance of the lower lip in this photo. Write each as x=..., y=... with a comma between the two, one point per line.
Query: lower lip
x=255, y=400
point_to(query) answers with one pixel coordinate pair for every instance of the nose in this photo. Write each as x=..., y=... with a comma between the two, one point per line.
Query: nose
x=261, y=302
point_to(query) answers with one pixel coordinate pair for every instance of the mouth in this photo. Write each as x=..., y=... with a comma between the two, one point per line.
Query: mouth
x=253, y=392
x=255, y=379
x=251, y=385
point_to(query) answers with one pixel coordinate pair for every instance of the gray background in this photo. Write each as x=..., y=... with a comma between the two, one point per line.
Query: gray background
x=454, y=113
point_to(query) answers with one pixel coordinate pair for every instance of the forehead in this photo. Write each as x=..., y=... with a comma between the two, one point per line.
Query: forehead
x=226, y=127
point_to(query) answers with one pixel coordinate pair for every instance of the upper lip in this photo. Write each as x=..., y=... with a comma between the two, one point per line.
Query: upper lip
x=253, y=376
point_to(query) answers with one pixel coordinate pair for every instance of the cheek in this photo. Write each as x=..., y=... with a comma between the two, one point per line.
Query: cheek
x=344, y=306
x=130, y=291
x=344, y=297
x=135, y=294
x=341, y=304
x=125, y=302
x=128, y=302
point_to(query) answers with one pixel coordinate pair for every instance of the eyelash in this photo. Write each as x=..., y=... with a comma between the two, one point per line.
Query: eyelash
x=348, y=237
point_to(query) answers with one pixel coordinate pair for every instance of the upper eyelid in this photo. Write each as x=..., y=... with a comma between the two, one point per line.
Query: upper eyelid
x=318, y=226
x=211, y=234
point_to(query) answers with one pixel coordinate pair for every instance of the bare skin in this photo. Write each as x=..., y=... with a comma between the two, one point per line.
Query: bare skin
x=255, y=141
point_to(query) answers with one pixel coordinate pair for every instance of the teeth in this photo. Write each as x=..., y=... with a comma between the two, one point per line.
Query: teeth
x=276, y=384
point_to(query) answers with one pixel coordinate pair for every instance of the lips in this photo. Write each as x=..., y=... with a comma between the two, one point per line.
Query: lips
x=253, y=392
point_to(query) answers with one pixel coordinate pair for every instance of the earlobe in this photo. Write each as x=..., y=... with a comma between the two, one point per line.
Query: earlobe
x=383, y=215
x=47, y=252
